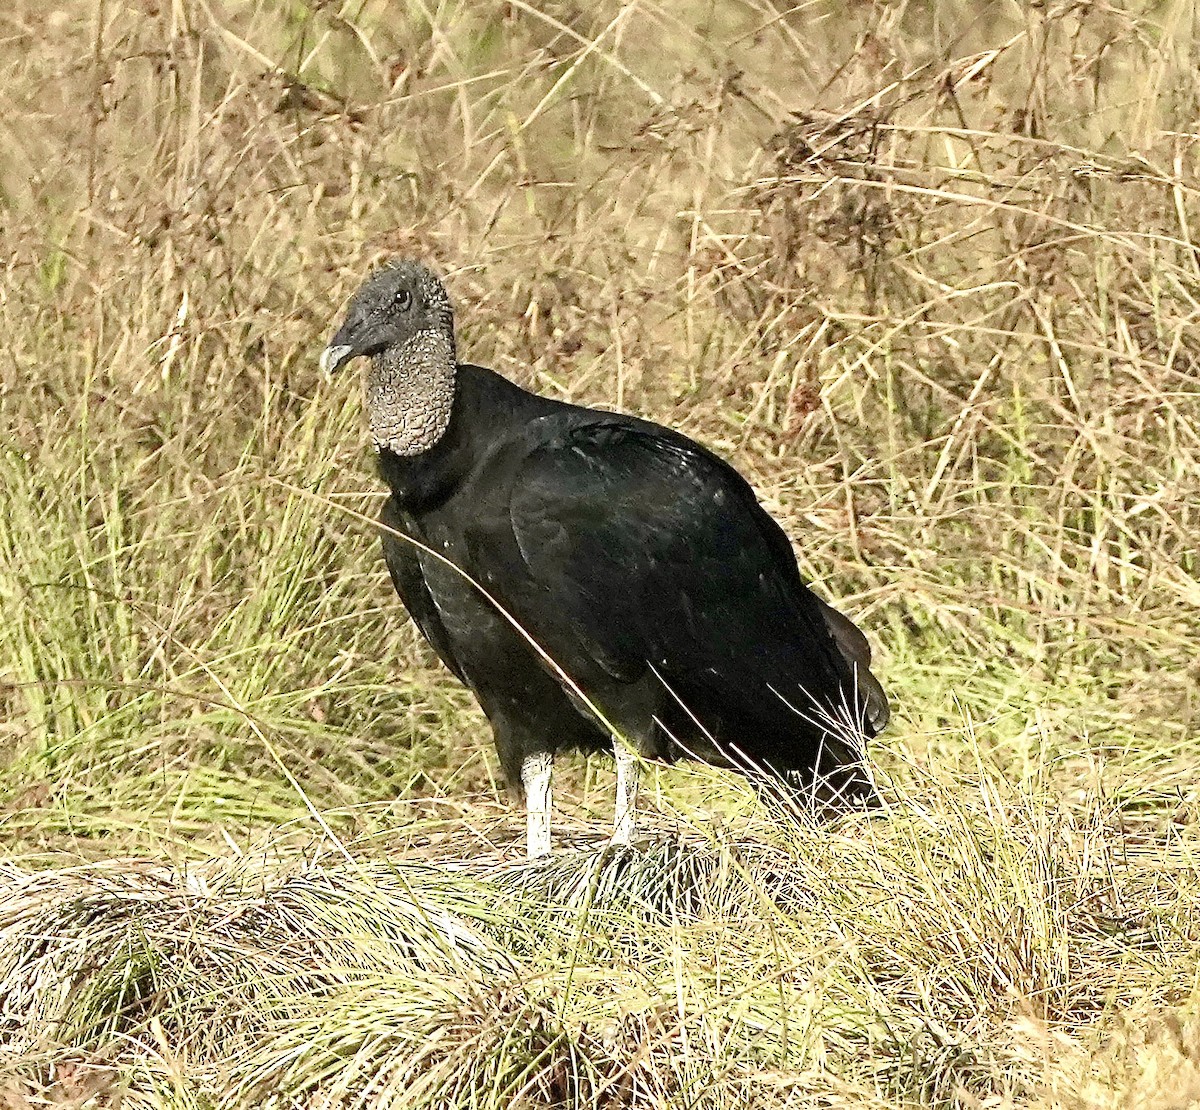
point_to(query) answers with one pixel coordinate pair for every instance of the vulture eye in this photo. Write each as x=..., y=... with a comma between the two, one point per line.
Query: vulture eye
x=403, y=298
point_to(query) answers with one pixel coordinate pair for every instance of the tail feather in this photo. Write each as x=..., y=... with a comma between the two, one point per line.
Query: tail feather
x=856, y=652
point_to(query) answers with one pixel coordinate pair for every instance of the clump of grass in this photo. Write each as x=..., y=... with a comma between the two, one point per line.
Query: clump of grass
x=907, y=957
x=89, y=954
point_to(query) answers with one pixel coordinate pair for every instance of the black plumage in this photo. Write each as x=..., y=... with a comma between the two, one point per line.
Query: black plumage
x=636, y=559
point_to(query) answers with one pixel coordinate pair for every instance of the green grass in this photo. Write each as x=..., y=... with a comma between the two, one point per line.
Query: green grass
x=926, y=273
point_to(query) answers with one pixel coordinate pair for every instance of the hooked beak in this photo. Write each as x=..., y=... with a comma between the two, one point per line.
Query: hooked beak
x=334, y=356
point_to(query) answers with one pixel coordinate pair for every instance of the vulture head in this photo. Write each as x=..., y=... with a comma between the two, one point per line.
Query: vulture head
x=402, y=320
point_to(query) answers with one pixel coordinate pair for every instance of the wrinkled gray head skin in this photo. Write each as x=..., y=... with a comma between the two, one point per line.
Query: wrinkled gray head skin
x=401, y=319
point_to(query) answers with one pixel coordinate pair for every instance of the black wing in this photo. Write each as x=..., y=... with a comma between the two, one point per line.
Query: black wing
x=409, y=579
x=657, y=552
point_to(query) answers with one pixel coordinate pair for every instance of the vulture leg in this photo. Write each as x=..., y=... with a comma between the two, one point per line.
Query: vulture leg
x=536, y=771
x=627, y=791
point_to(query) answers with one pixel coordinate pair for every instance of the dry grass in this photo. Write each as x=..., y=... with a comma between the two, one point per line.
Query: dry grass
x=927, y=272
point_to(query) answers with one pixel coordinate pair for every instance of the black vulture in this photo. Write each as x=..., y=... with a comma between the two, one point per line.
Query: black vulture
x=588, y=573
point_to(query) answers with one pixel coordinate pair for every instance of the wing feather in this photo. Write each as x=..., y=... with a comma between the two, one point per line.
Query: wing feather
x=657, y=553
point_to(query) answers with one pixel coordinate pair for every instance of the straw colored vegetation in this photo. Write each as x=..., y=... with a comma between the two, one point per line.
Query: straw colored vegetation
x=927, y=272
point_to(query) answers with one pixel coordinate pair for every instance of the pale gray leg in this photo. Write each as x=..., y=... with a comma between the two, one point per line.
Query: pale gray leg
x=627, y=791
x=536, y=772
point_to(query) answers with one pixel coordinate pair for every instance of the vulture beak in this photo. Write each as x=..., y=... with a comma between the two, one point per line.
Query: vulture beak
x=334, y=356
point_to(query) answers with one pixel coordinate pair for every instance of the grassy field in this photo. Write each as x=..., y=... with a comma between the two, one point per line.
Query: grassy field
x=929, y=274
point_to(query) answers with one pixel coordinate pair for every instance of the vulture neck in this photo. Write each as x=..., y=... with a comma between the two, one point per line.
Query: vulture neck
x=410, y=394
x=488, y=411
